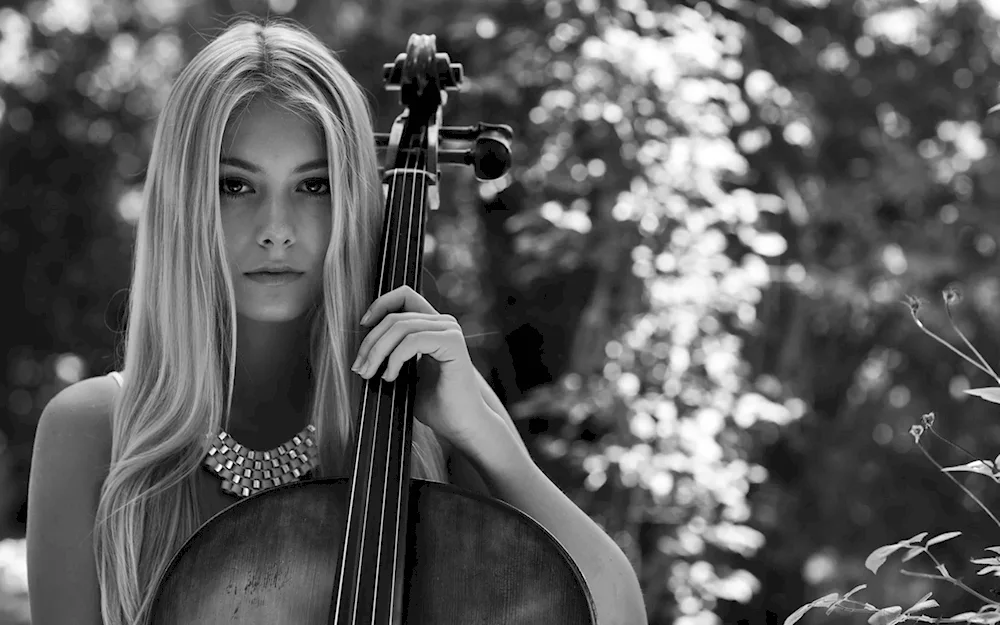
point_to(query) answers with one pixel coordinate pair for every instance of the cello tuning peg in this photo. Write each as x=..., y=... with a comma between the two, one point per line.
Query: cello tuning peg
x=490, y=155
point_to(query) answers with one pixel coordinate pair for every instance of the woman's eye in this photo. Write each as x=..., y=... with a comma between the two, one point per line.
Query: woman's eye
x=231, y=186
x=317, y=185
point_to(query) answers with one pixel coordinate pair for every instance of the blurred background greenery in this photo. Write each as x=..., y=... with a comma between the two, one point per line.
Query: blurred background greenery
x=688, y=293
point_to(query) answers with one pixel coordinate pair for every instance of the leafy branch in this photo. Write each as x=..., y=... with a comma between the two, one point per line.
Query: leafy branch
x=989, y=613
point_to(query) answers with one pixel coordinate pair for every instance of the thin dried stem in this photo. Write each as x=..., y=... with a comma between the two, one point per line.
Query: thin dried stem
x=958, y=447
x=920, y=324
x=951, y=320
x=960, y=485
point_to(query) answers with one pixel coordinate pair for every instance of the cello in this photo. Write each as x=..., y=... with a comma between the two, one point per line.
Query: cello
x=380, y=547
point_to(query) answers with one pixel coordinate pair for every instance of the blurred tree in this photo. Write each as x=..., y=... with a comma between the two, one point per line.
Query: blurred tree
x=868, y=120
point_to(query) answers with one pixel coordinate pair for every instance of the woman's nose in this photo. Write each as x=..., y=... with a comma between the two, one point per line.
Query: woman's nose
x=277, y=227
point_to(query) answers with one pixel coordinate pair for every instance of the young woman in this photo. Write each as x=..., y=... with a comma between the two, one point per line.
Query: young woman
x=253, y=266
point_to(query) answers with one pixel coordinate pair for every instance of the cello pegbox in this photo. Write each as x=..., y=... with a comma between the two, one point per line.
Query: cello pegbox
x=421, y=64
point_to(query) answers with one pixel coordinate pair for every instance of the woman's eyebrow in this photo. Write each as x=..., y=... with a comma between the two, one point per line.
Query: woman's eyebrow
x=247, y=165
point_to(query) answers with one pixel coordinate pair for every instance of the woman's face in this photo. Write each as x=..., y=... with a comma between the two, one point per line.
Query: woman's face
x=274, y=190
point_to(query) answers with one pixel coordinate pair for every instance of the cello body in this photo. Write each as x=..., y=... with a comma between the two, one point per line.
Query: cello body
x=270, y=560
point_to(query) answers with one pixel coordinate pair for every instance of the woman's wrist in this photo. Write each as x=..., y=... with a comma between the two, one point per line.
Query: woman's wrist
x=494, y=450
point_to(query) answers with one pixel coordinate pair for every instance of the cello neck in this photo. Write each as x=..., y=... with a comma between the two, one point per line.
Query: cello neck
x=369, y=588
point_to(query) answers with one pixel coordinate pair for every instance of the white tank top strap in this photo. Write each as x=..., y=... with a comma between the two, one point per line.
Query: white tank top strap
x=118, y=378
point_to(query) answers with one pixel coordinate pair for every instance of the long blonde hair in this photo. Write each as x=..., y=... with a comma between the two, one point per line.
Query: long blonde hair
x=180, y=345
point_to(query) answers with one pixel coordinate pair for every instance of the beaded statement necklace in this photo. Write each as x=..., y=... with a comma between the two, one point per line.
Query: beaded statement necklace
x=245, y=472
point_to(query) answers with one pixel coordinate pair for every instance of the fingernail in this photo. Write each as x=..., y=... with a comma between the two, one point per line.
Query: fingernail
x=366, y=318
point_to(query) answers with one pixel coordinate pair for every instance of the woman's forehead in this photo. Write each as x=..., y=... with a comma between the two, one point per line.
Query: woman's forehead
x=264, y=128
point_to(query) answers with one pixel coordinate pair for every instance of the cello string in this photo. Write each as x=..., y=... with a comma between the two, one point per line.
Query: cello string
x=359, y=434
x=409, y=169
x=416, y=202
x=392, y=237
x=389, y=227
x=346, y=551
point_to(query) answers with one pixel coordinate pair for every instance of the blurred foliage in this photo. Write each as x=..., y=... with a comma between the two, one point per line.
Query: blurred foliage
x=688, y=294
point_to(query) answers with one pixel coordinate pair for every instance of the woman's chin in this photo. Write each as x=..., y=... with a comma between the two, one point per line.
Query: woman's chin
x=274, y=314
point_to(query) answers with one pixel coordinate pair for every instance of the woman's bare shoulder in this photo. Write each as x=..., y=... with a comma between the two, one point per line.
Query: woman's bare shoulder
x=82, y=409
x=73, y=438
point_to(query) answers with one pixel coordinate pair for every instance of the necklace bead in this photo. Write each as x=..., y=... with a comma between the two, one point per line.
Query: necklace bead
x=243, y=471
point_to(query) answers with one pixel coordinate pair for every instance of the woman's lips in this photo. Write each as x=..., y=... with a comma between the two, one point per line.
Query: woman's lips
x=274, y=279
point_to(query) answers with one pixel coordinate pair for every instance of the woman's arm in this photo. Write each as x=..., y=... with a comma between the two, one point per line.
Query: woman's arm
x=71, y=453
x=460, y=407
x=502, y=459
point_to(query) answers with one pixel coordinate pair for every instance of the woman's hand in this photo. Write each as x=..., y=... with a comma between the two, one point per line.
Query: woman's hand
x=449, y=400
